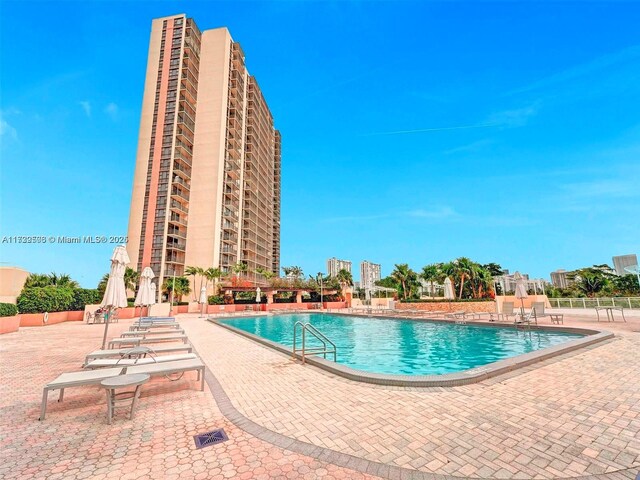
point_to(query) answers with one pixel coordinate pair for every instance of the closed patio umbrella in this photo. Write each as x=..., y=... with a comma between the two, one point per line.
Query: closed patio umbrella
x=203, y=300
x=145, y=296
x=115, y=295
x=258, y=295
x=521, y=290
x=152, y=298
x=448, y=291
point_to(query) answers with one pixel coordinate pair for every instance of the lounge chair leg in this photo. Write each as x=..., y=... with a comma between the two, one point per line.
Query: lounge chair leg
x=61, y=397
x=43, y=407
x=110, y=400
x=136, y=394
x=201, y=380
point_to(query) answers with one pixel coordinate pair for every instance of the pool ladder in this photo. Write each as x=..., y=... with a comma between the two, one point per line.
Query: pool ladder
x=328, y=347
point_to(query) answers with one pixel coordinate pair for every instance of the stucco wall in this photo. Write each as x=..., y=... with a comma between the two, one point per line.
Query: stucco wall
x=488, y=307
x=11, y=282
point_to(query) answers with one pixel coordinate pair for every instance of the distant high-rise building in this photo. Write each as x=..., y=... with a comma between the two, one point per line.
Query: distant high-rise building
x=507, y=282
x=559, y=279
x=206, y=189
x=622, y=261
x=369, y=274
x=334, y=266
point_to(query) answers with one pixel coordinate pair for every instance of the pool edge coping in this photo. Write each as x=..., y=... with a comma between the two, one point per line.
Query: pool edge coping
x=466, y=377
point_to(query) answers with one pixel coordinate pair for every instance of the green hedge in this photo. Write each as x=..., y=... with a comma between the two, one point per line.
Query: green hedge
x=216, y=300
x=8, y=310
x=56, y=299
x=85, y=296
x=433, y=300
x=45, y=299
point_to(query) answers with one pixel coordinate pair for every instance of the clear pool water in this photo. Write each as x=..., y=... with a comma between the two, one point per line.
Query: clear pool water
x=405, y=347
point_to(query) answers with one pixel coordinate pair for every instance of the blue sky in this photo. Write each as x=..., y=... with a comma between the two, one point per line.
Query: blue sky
x=412, y=132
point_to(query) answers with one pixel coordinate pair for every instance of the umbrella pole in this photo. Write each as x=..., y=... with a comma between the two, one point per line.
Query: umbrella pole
x=106, y=327
x=522, y=308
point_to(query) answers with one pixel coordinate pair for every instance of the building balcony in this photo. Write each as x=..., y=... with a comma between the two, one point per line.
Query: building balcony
x=183, y=185
x=178, y=207
x=180, y=194
x=181, y=170
x=176, y=246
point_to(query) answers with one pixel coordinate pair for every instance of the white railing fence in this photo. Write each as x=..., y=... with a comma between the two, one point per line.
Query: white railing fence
x=625, y=302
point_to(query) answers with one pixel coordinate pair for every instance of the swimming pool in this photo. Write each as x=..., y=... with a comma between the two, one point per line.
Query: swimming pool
x=406, y=347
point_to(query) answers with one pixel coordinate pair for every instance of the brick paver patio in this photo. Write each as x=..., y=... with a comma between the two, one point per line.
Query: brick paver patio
x=75, y=442
x=574, y=416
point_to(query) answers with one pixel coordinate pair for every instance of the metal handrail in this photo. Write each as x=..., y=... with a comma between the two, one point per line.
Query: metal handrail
x=630, y=303
x=304, y=327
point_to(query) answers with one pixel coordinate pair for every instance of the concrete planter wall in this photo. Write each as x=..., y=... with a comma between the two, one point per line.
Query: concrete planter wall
x=128, y=312
x=9, y=324
x=37, y=319
x=223, y=308
x=335, y=304
x=488, y=307
x=76, y=316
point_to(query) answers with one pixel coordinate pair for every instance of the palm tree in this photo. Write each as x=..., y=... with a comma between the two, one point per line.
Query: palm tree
x=131, y=278
x=268, y=274
x=102, y=285
x=345, y=278
x=212, y=275
x=402, y=274
x=193, y=271
x=286, y=271
x=37, y=280
x=464, y=270
x=53, y=279
x=297, y=272
x=430, y=273
x=483, y=280
x=181, y=286
x=239, y=268
x=62, y=280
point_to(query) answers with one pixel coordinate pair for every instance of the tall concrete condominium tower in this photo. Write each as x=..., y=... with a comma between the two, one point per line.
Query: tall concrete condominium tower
x=623, y=261
x=369, y=274
x=334, y=266
x=206, y=188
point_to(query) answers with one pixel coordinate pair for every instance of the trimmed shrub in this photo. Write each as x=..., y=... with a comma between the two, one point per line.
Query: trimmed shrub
x=216, y=300
x=441, y=300
x=8, y=310
x=85, y=296
x=45, y=299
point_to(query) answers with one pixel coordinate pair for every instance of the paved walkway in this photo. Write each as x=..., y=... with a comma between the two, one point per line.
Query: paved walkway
x=570, y=417
x=75, y=442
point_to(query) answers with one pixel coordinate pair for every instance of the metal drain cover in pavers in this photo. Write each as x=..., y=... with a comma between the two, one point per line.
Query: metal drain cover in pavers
x=210, y=438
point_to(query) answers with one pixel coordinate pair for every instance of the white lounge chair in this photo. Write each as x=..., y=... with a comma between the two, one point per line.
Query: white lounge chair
x=140, y=339
x=128, y=362
x=94, y=377
x=120, y=352
x=147, y=333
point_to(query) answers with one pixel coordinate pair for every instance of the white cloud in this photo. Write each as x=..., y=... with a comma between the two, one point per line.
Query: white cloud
x=112, y=110
x=611, y=188
x=603, y=62
x=470, y=147
x=86, y=106
x=438, y=213
x=8, y=130
x=513, y=118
